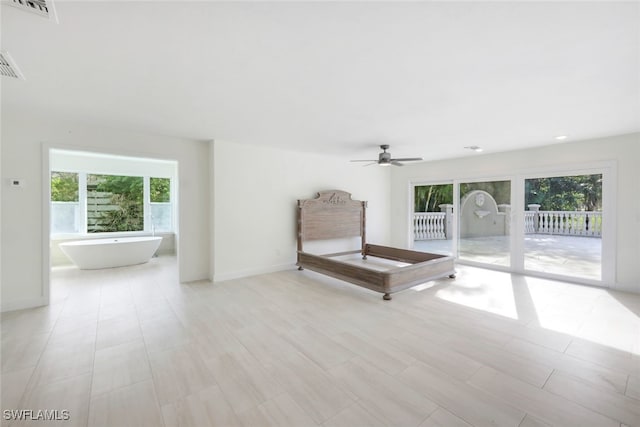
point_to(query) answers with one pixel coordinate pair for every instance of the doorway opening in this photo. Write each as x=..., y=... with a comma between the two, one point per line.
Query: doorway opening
x=107, y=211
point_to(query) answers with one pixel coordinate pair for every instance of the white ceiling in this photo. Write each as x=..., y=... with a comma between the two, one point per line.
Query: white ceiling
x=428, y=78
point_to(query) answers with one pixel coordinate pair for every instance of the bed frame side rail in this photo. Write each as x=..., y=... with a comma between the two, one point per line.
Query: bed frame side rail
x=370, y=279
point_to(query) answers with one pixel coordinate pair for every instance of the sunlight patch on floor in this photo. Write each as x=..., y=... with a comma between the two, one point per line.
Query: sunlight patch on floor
x=481, y=290
x=595, y=314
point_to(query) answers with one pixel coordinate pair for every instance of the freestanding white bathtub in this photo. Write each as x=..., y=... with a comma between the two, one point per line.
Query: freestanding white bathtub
x=107, y=253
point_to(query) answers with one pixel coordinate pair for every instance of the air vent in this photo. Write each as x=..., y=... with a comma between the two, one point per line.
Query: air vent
x=8, y=67
x=41, y=7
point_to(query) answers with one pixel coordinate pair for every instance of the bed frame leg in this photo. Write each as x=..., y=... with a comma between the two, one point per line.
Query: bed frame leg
x=300, y=268
x=386, y=297
x=364, y=257
x=452, y=276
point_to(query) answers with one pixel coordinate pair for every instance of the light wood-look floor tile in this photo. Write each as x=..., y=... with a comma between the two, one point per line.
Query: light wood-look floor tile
x=312, y=388
x=118, y=330
x=596, y=374
x=324, y=351
x=444, y=418
x=207, y=407
x=440, y=357
x=23, y=352
x=606, y=356
x=120, y=366
x=14, y=384
x=530, y=421
x=540, y=403
x=132, y=406
x=609, y=403
x=377, y=352
x=281, y=411
x=382, y=395
x=476, y=407
x=132, y=346
x=243, y=380
x=70, y=394
x=354, y=415
x=633, y=387
x=178, y=372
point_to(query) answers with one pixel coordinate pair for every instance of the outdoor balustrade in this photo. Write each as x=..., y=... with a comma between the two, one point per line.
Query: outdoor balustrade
x=436, y=225
x=429, y=225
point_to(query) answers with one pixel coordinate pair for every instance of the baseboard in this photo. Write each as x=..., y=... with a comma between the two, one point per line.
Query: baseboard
x=252, y=272
x=628, y=287
x=23, y=303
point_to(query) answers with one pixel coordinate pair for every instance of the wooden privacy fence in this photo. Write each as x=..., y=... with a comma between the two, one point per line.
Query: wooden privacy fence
x=98, y=202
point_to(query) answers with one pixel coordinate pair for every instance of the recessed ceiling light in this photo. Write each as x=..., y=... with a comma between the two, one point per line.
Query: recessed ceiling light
x=474, y=148
x=561, y=137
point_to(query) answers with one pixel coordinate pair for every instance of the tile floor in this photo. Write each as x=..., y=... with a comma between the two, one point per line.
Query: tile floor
x=575, y=256
x=132, y=347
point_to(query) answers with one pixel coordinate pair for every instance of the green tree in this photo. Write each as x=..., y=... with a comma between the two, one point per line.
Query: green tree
x=428, y=198
x=160, y=190
x=130, y=187
x=565, y=193
x=64, y=187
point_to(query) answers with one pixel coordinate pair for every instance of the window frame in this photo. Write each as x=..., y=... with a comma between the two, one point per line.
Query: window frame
x=82, y=202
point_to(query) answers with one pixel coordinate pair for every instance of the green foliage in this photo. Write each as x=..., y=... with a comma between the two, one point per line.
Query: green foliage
x=160, y=191
x=428, y=198
x=128, y=217
x=64, y=187
x=130, y=187
x=127, y=195
x=565, y=193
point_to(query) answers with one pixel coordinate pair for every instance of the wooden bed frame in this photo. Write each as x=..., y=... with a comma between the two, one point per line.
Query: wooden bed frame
x=333, y=215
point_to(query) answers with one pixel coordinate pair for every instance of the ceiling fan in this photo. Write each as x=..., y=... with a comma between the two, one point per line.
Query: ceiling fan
x=384, y=158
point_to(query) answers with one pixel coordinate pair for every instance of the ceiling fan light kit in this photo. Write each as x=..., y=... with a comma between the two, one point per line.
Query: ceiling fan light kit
x=385, y=159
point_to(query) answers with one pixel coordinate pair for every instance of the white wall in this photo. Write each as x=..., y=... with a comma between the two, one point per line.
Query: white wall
x=82, y=161
x=256, y=190
x=624, y=150
x=23, y=137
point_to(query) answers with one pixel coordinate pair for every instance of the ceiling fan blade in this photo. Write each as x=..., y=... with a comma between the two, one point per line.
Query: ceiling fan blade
x=396, y=163
x=374, y=163
x=408, y=159
x=363, y=160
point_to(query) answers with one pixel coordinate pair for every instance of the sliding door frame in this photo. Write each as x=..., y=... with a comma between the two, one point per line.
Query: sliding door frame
x=608, y=169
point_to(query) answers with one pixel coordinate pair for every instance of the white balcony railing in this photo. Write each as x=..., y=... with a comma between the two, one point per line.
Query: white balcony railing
x=429, y=225
x=566, y=223
x=433, y=225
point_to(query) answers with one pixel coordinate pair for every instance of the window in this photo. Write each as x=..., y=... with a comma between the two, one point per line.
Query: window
x=114, y=203
x=160, y=203
x=101, y=203
x=65, y=205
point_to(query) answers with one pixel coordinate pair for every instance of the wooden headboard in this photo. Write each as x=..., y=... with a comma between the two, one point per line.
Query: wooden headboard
x=331, y=215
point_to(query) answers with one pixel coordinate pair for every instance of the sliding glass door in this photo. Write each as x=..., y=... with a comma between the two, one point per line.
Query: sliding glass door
x=433, y=221
x=563, y=225
x=484, y=220
x=549, y=223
